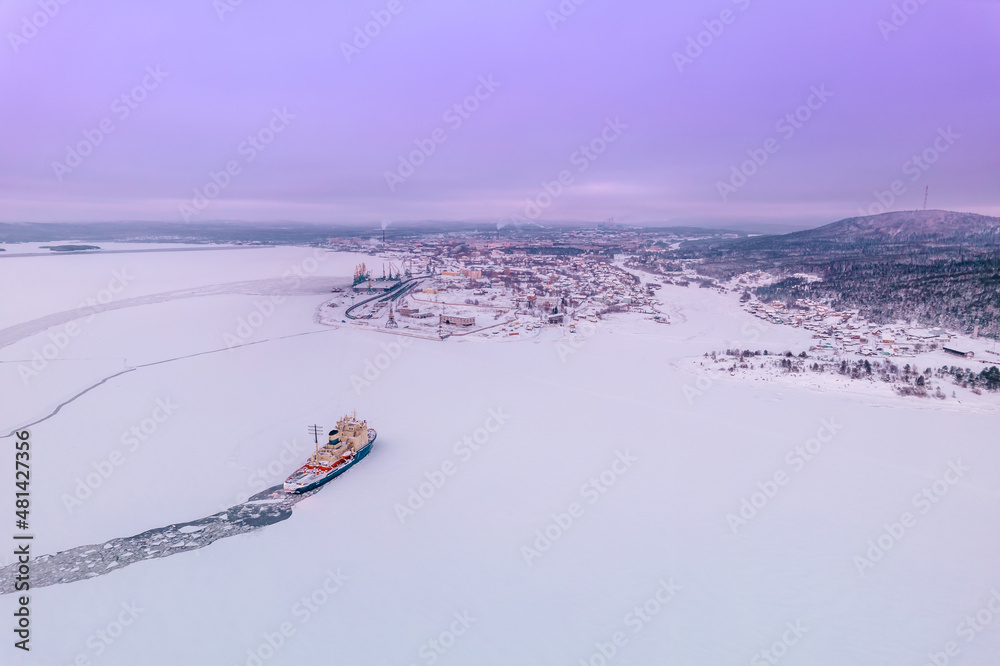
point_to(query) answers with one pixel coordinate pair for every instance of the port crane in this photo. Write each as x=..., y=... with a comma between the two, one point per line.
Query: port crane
x=391, y=323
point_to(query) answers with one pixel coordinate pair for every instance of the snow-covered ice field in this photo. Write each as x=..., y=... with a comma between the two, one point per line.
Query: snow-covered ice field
x=550, y=501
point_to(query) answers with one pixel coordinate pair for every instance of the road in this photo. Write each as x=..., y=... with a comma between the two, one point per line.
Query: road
x=398, y=290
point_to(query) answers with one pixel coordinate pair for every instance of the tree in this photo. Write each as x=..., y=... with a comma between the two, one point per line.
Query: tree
x=991, y=378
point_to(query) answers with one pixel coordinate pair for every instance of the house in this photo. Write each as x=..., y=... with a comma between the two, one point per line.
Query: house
x=457, y=321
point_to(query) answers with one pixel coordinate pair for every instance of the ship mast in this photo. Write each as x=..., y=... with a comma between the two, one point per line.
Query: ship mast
x=315, y=430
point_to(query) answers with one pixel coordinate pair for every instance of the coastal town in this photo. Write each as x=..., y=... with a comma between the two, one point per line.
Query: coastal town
x=838, y=332
x=491, y=289
x=556, y=284
x=482, y=286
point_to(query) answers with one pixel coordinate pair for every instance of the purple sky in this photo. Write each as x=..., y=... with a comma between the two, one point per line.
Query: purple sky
x=685, y=127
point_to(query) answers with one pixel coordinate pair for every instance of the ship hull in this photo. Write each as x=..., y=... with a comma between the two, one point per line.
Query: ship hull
x=332, y=474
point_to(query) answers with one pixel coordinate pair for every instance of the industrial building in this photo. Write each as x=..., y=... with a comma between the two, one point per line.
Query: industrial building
x=457, y=321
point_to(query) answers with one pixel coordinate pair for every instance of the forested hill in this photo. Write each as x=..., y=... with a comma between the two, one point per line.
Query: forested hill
x=936, y=267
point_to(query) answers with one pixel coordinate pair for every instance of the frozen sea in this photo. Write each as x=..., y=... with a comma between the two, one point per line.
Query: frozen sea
x=555, y=500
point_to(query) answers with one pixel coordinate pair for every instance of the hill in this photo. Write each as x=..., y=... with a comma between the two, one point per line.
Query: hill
x=935, y=267
x=906, y=227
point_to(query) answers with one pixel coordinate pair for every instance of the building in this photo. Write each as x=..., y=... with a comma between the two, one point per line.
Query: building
x=457, y=321
x=955, y=352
